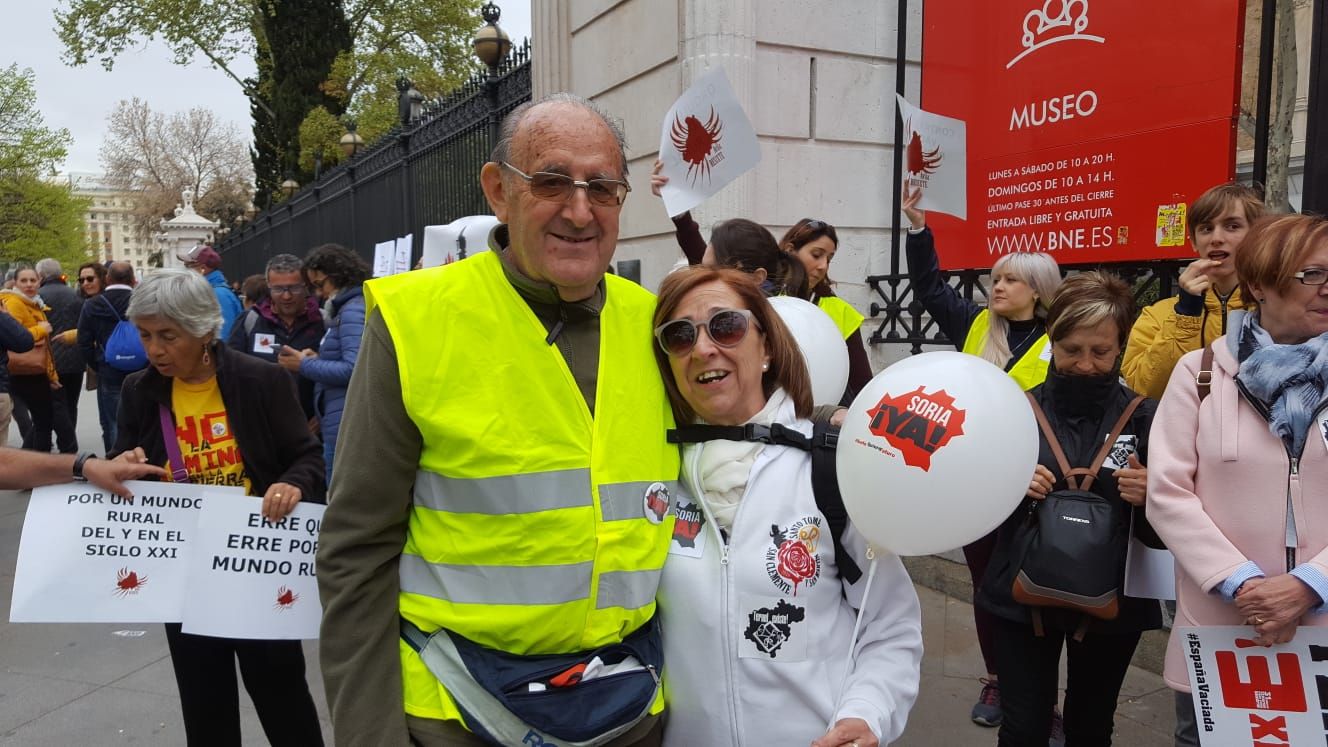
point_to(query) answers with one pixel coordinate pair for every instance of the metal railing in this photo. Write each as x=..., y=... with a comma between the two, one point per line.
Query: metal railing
x=423, y=172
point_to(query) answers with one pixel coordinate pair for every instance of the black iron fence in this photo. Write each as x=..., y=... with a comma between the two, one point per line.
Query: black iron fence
x=900, y=318
x=424, y=172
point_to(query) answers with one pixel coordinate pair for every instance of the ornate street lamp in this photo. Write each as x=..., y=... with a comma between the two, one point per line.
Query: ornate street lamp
x=290, y=186
x=491, y=46
x=351, y=142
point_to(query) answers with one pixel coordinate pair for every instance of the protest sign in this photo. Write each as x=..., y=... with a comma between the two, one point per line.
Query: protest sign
x=1247, y=694
x=89, y=556
x=461, y=238
x=935, y=160
x=251, y=578
x=707, y=142
x=1149, y=573
x=385, y=253
x=402, y=256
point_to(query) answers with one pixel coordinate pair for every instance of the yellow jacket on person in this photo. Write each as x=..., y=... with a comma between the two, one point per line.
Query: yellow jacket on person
x=1031, y=368
x=30, y=312
x=846, y=318
x=1160, y=337
x=535, y=528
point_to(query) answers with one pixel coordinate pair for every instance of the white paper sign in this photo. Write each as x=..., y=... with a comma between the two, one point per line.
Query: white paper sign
x=402, y=263
x=444, y=245
x=89, y=556
x=1149, y=573
x=385, y=253
x=935, y=159
x=707, y=142
x=265, y=343
x=250, y=578
x=1245, y=694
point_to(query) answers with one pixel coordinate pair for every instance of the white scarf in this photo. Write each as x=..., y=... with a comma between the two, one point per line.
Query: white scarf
x=724, y=466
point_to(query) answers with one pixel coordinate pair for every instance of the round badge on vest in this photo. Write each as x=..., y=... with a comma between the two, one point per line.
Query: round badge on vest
x=656, y=502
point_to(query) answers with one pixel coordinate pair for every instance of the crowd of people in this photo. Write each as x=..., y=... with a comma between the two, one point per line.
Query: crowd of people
x=569, y=511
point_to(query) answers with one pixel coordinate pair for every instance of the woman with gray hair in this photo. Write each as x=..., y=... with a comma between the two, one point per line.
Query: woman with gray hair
x=216, y=417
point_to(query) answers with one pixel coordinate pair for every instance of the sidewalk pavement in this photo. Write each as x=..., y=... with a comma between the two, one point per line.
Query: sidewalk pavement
x=64, y=685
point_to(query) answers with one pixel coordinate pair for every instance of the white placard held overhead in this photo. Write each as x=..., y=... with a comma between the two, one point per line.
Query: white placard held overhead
x=935, y=159
x=403, y=248
x=444, y=245
x=707, y=142
x=89, y=556
x=251, y=578
x=385, y=253
x=1246, y=694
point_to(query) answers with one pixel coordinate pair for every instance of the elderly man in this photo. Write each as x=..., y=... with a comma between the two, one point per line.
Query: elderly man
x=497, y=488
x=288, y=316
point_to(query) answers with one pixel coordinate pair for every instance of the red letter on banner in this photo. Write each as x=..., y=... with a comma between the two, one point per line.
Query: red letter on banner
x=1260, y=693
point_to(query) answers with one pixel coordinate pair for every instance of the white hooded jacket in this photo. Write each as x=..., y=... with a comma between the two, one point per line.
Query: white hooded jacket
x=757, y=629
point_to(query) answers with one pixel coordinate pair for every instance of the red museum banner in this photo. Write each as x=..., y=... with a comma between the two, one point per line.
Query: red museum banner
x=1090, y=129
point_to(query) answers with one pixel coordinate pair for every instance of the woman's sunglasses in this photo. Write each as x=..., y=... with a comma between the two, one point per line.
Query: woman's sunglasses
x=726, y=328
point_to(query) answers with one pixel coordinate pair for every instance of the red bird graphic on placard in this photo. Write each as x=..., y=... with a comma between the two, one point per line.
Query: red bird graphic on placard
x=127, y=582
x=922, y=161
x=696, y=141
x=285, y=599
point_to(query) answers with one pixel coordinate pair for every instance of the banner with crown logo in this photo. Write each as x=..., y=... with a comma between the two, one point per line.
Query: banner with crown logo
x=1087, y=121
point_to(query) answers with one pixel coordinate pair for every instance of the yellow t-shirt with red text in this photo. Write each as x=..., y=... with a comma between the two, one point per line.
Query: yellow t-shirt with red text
x=207, y=444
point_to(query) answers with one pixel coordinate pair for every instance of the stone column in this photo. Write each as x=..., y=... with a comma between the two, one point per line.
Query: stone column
x=722, y=33
x=551, y=47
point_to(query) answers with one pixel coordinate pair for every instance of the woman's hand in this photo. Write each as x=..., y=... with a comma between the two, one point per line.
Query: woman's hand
x=657, y=180
x=916, y=218
x=848, y=732
x=1132, y=482
x=1275, y=605
x=289, y=358
x=55, y=384
x=1041, y=483
x=280, y=500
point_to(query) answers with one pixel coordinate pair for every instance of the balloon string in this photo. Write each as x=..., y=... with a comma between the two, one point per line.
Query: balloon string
x=853, y=642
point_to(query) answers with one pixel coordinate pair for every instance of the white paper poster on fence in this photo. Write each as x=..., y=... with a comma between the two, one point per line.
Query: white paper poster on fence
x=1149, y=573
x=1247, y=694
x=385, y=253
x=461, y=238
x=89, y=556
x=403, y=248
x=936, y=159
x=251, y=578
x=707, y=142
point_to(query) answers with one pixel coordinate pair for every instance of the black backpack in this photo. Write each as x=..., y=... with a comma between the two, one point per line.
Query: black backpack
x=1069, y=550
x=825, y=480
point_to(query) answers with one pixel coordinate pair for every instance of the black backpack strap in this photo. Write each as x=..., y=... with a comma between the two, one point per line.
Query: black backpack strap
x=825, y=478
x=829, y=501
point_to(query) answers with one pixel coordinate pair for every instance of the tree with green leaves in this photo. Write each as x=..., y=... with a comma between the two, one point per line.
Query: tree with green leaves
x=38, y=217
x=304, y=63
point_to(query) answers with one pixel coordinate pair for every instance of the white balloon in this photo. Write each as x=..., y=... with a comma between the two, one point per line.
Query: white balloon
x=822, y=346
x=935, y=452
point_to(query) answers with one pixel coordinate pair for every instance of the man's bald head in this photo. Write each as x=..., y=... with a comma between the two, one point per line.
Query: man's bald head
x=120, y=273
x=514, y=133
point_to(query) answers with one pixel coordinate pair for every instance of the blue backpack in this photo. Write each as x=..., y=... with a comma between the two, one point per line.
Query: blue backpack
x=124, y=350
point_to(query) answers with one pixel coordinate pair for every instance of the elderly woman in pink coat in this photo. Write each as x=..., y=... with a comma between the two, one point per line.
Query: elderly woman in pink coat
x=1238, y=480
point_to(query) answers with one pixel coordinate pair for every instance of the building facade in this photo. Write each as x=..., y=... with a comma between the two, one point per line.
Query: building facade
x=109, y=222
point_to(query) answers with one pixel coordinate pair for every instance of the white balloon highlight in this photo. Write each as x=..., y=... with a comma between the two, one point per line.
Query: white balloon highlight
x=822, y=346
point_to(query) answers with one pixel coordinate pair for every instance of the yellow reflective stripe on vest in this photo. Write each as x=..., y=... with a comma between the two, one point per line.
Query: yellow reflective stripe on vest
x=496, y=584
x=845, y=317
x=627, y=589
x=1030, y=370
x=503, y=494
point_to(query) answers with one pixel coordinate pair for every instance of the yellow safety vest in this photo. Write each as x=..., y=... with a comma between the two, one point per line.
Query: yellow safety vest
x=535, y=527
x=845, y=316
x=1030, y=370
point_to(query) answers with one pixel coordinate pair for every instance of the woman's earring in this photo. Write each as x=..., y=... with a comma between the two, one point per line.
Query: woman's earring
x=765, y=366
x=207, y=359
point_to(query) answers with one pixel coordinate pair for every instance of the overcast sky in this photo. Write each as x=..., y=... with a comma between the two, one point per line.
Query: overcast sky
x=79, y=99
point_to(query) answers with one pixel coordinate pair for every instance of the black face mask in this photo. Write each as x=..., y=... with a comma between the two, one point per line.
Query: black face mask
x=1080, y=392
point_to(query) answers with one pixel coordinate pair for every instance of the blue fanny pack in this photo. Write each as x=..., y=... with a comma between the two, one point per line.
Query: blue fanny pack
x=509, y=699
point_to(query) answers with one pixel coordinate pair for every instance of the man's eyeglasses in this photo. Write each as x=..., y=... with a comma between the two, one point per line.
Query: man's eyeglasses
x=726, y=328
x=287, y=290
x=88, y=279
x=547, y=185
x=1313, y=276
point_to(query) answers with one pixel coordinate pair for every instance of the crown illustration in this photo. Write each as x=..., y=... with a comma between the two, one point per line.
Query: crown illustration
x=1058, y=20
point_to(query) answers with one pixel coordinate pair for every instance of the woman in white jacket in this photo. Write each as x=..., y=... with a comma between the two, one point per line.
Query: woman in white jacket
x=757, y=620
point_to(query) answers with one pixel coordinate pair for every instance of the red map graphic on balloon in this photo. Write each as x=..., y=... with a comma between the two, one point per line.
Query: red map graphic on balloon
x=918, y=424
